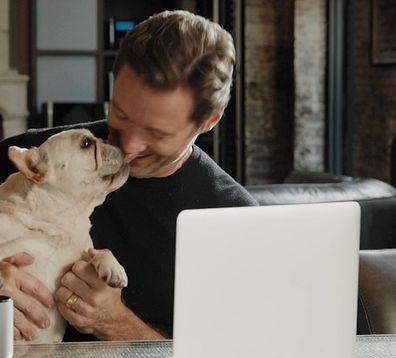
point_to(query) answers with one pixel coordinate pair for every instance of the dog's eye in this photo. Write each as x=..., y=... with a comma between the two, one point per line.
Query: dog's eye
x=86, y=143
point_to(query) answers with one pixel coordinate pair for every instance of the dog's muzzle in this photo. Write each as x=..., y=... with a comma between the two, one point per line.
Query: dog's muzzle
x=112, y=160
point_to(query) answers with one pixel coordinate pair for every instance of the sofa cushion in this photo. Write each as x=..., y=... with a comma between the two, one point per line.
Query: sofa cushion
x=296, y=193
x=377, y=202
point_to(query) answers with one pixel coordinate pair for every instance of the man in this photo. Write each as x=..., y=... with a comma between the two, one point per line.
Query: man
x=173, y=76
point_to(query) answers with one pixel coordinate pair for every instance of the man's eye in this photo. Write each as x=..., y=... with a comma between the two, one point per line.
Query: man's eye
x=119, y=115
x=159, y=136
x=86, y=143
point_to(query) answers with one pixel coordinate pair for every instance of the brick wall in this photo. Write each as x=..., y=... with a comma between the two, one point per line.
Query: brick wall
x=285, y=49
x=372, y=100
x=269, y=90
x=278, y=140
x=310, y=78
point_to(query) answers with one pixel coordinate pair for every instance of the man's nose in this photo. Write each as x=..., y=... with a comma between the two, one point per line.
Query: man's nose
x=133, y=143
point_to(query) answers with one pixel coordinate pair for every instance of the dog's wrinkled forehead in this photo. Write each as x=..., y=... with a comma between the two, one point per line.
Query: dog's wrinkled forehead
x=72, y=135
x=73, y=138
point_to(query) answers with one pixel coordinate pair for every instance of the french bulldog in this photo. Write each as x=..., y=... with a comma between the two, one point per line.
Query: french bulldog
x=46, y=205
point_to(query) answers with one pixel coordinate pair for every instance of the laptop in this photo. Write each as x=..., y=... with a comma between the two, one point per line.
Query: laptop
x=267, y=281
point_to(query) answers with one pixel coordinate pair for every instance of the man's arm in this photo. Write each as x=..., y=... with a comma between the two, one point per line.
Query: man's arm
x=99, y=309
x=30, y=296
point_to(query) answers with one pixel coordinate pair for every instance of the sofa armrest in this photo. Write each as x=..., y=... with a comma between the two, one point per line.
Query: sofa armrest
x=377, y=292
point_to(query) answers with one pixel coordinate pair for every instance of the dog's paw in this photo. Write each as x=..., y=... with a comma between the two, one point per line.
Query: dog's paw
x=114, y=276
x=109, y=269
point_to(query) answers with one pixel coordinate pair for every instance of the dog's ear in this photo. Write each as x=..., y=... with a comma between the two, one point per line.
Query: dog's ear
x=32, y=163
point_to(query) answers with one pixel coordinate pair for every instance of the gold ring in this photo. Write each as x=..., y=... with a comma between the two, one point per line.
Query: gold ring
x=72, y=300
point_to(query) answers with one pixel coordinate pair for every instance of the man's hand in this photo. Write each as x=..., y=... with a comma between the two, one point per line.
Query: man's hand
x=98, y=309
x=28, y=293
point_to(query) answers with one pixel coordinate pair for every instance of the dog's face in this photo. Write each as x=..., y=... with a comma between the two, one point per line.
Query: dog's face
x=74, y=162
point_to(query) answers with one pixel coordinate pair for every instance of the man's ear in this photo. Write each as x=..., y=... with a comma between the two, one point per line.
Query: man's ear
x=32, y=163
x=210, y=122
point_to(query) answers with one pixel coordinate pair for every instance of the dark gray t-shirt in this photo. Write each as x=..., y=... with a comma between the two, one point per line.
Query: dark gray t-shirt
x=138, y=223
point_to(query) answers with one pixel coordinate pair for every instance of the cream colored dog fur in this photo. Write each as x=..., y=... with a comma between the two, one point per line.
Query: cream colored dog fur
x=45, y=209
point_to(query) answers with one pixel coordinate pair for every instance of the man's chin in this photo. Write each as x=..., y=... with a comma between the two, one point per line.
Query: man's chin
x=142, y=173
x=138, y=175
x=157, y=170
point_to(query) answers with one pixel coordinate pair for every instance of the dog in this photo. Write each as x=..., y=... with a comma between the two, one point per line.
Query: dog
x=45, y=209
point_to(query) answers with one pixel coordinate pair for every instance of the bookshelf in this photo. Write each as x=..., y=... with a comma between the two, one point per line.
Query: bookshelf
x=72, y=51
x=117, y=17
x=74, y=44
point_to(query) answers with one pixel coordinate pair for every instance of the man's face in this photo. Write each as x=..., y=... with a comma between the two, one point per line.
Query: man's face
x=152, y=127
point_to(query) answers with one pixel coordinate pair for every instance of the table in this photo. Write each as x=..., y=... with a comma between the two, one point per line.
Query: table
x=367, y=347
x=376, y=346
x=152, y=349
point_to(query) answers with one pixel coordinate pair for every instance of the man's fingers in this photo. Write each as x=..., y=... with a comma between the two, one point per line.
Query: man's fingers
x=80, y=323
x=77, y=315
x=15, y=279
x=79, y=307
x=75, y=284
x=31, y=309
x=28, y=294
x=20, y=259
x=17, y=334
x=23, y=328
x=87, y=273
x=38, y=290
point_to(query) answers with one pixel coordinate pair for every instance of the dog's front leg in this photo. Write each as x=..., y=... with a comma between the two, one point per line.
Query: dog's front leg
x=108, y=268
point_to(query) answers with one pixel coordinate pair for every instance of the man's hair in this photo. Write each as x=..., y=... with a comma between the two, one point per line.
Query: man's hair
x=177, y=48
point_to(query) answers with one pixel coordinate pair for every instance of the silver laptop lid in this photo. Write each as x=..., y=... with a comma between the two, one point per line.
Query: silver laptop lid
x=270, y=281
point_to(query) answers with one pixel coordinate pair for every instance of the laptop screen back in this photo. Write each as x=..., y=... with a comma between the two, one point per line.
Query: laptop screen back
x=274, y=281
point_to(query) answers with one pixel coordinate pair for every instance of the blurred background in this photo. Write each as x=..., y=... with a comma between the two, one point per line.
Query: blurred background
x=314, y=89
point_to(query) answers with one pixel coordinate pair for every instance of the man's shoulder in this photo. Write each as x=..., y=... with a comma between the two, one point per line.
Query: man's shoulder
x=215, y=184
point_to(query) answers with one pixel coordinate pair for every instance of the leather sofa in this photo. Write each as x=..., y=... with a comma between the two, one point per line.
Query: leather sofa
x=377, y=201
x=377, y=271
x=377, y=292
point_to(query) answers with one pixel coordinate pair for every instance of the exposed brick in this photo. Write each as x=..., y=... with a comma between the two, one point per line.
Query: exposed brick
x=309, y=69
x=269, y=90
x=372, y=100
